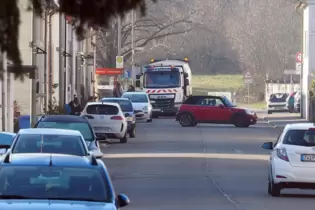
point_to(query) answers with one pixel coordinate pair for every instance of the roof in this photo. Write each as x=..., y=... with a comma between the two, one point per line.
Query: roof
x=49, y=131
x=115, y=99
x=196, y=96
x=8, y=133
x=299, y=126
x=63, y=118
x=169, y=62
x=43, y=159
x=102, y=103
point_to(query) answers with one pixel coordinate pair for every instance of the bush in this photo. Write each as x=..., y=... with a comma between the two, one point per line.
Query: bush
x=54, y=108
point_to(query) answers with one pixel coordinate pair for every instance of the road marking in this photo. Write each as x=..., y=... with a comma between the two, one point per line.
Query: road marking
x=190, y=155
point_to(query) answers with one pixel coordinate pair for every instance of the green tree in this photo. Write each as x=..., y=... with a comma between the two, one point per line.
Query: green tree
x=86, y=13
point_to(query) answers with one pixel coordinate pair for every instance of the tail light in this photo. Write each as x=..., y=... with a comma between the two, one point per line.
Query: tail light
x=116, y=118
x=282, y=154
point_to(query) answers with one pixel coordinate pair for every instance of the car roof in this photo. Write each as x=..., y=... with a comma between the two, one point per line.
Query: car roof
x=63, y=118
x=102, y=103
x=49, y=131
x=299, y=126
x=202, y=96
x=43, y=159
x=7, y=133
x=115, y=99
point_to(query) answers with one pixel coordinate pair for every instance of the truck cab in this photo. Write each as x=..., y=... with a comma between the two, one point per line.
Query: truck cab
x=167, y=83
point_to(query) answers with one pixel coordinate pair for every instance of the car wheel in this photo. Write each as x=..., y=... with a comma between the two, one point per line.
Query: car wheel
x=241, y=122
x=132, y=133
x=186, y=120
x=124, y=139
x=275, y=189
x=194, y=123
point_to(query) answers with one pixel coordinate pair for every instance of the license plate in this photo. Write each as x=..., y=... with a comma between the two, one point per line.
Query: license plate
x=102, y=129
x=308, y=158
x=129, y=118
x=156, y=110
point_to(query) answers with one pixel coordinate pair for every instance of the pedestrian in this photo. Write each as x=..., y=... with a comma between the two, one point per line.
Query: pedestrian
x=75, y=106
x=117, y=91
x=131, y=88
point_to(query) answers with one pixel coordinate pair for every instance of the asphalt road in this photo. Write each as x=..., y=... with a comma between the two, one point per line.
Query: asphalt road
x=218, y=167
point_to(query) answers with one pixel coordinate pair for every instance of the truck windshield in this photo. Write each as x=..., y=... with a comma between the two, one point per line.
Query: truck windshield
x=157, y=79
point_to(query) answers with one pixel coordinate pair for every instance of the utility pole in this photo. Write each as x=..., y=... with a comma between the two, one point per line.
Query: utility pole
x=132, y=37
x=119, y=36
x=34, y=76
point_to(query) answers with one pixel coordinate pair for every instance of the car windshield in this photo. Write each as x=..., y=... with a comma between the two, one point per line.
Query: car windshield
x=304, y=138
x=125, y=105
x=154, y=79
x=83, y=127
x=102, y=109
x=38, y=143
x=136, y=98
x=54, y=183
x=278, y=97
x=227, y=102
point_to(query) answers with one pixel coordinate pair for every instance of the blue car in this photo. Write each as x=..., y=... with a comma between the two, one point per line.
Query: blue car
x=40, y=181
x=127, y=108
x=6, y=139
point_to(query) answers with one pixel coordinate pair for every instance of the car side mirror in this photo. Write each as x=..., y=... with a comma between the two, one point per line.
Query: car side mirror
x=221, y=106
x=186, y=82
x=123, y=200
x=267, y=145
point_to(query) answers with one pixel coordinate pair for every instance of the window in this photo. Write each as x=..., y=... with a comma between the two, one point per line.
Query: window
x=83, y=127
x=278, y=97
x=58, y=183
x=125, y=105
x=60, y=144
x=162, y=78
x=102, y=109
x=210, y=102
x=136, y=98
x=304, y=138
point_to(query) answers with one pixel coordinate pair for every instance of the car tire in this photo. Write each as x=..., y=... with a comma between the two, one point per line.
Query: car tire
x=124, y=139
x=132, y=133
x=269, y=112
x=275, y=189
x=240, y=122
x=186, y=120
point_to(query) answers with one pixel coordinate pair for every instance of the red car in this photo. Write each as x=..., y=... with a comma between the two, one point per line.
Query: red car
x=213, y=109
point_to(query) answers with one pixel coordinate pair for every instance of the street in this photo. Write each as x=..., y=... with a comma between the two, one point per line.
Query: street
x=205, y=167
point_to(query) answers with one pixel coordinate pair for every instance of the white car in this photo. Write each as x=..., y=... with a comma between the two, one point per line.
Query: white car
x=277, y=103
x=141, y=104
x=292, y=159
x=107, y=119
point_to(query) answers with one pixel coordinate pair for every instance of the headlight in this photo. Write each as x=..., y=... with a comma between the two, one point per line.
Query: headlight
x=145, y=108
x=249, y=112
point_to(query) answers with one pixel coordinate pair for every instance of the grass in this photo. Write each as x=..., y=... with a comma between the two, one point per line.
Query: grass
x=202, y=84
x=258, y=105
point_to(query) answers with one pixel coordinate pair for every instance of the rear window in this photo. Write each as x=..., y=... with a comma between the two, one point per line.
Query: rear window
x=102, y=109
x=278, y=97
x=304, y=138
x=125, y=105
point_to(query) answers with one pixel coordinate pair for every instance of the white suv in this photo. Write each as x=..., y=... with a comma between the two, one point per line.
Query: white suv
x=106, y=119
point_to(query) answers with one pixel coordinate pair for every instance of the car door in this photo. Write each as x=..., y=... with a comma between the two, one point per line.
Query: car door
x=217, y=111
x=204, y=109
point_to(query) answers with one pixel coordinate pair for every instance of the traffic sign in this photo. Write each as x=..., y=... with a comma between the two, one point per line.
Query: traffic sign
x=248, y=81
x=298, y=57
x=119, y=62
x=298, y=67
x=248, y=75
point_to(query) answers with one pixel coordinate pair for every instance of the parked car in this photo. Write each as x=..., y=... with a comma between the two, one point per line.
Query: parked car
x=48, y=140
x=6, y=138
x=292, y=159
x=277, y=103
x=54, y=181
x=127, y=108
x=72, y=122
x=213, y=109
x=107, y=119
x=297, y=102
x=141, y=104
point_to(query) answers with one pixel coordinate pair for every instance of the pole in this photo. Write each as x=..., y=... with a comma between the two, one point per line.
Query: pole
x=61, y=59
x=33, y=82
x=50, y=60
x=247, y=93
x=5, y=93
x=45, y=60
x=132, y=37
x=291, y=82
x=119, y=36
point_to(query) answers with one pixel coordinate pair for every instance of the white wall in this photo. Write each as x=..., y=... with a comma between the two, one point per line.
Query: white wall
x=23, y=89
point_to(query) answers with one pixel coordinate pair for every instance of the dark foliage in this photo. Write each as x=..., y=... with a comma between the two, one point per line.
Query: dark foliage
x=86, y=13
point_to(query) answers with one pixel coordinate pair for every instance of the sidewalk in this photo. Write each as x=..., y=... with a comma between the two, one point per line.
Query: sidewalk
x=282, y=119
